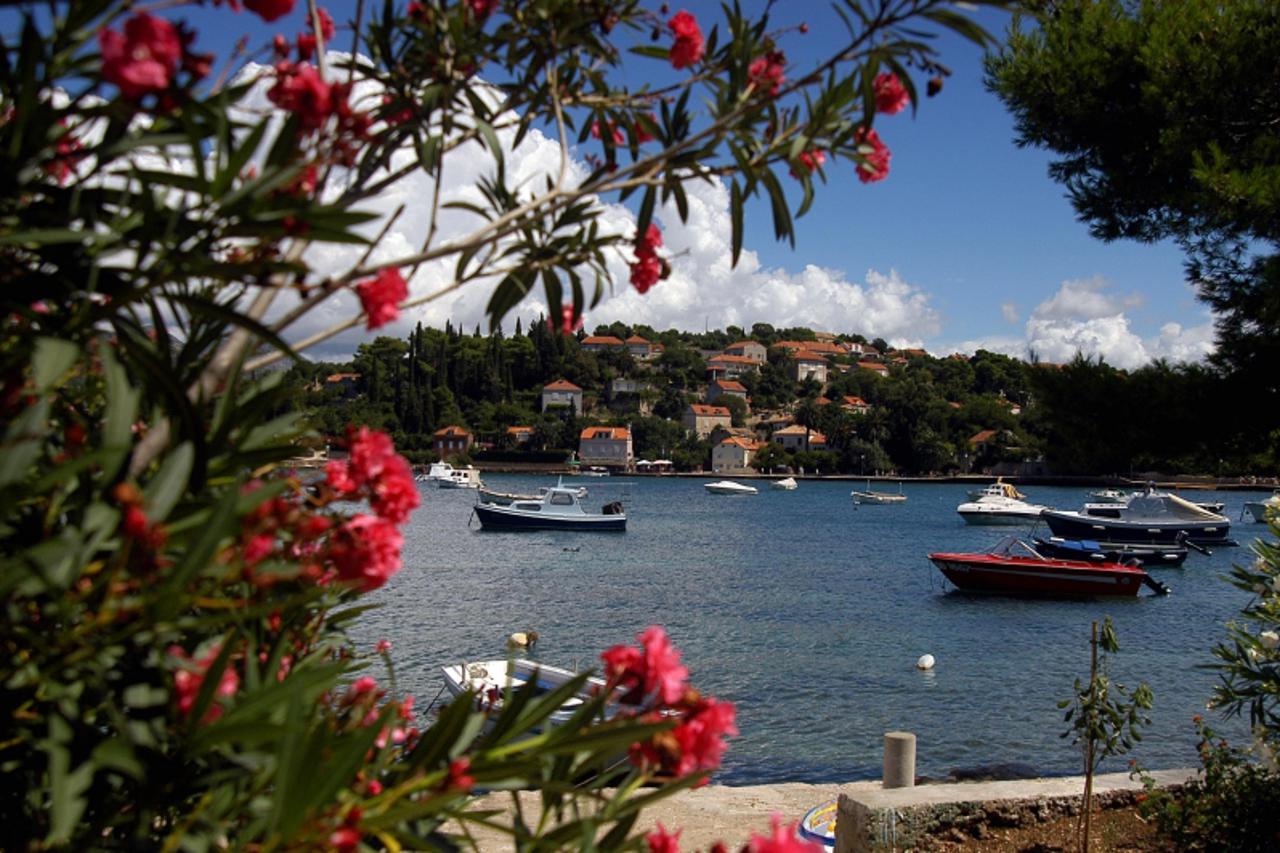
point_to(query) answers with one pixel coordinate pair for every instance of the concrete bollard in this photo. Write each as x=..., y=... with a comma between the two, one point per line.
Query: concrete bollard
x=899, y=760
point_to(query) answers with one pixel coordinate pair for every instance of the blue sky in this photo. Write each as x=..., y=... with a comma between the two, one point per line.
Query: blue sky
x=968, y=242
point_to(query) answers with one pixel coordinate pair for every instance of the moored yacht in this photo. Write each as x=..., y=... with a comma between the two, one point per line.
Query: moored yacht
x=1149, y=517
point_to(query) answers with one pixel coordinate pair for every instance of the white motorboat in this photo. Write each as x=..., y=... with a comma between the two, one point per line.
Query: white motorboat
x=1000, y=503
x=595, y=471
x=1148, y=517
x=1258, y=509
x=492, y=496
x=437, y=471
x=461, y=478
x=997, y=489
x=874, y=498
x=729, y=487
x=786, y=484
x=557, y=508
x=489, y=681
x=1110, y=496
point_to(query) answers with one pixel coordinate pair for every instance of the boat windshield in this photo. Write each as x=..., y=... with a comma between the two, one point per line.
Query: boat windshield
x=1012, y=546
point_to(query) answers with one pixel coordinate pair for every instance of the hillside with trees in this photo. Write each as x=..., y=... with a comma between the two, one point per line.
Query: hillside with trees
x=914, y=413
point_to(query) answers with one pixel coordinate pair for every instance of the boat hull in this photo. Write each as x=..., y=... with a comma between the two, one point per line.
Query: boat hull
x=1075, y=526
x=877, y=498
x=497, y=517
x=1111, y=552
x=1019, y=576
x=1001, y=517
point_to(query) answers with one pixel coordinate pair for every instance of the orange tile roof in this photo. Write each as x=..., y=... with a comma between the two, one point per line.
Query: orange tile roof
x=743, y=344
x=341, y=377
x=517, y=430
x=731, y=385
x=601, y=433
x=731, y=359
x=603, y=340
x=854, y=401
x=871, y=365
x=982, y=437
x=636, y=339
x=450, y=432
x=744, y=443
x=702, y=410
x=561, y=385
x=815, y=437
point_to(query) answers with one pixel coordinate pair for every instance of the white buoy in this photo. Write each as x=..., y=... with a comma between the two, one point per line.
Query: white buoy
x=925, y=662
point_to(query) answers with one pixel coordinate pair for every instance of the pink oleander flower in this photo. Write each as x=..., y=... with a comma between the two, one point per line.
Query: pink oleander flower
x=642, y=134
x=382, y=647
x=371, y=452
x=570, y=322
x=653, y=672
x=765, y=73
x=647, y=245
x=344, y=839
x=646, y=272
x=701, y=735
x=661, y=841
x=482, y=8
x=269, y=10
x=782, y=839
x=810, y=162
x=307, y=41
x=301, y=90
x=394, y=494
x=380, y=297
x=891, y=95
x=876, y=167
x=189, y=676
x=257, y=549
x=338, y=474
x=143, y=59
x=366, y=550
x=457, y=779
x=618, y=137
x=689, y=46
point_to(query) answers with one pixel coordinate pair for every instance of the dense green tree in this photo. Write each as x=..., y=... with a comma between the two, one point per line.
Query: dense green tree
x=1163, y=117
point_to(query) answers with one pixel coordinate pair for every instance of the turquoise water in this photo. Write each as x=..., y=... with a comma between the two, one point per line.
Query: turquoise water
x=809, y=613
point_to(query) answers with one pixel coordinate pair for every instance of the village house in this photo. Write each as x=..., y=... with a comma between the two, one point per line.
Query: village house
x=734, y=455
x=748, y=349
x=641, y=349
x=450, y=441
x=562, y=394
x=701, y=419
x=827, y=348
x=346, y=383
x=731, y=366
x=979, y=440
x=793, y=438
x=519, y=435
x=608, y=446
x=624, y=395
x=856, y=405
x=875, y=367
x=601, y=343
x=807, y=364
x=725, y=388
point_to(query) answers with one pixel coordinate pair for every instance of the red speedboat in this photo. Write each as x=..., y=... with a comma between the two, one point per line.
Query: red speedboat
x=1013, y=566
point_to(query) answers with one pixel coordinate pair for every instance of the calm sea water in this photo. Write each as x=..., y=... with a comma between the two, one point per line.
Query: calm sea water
x=808, y=612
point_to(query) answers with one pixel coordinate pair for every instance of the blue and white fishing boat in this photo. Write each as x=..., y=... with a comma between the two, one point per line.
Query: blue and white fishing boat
x=1150, y=517
x=558, y=508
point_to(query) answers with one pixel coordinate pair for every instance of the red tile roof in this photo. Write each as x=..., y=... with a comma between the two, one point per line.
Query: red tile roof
x=871, y=365
x=561, y=385
x=731, y=359
x=636, y=339
x=731, y=385
x=601, y=433
x=744, y=443
x=702, y=410
x=603, y=341
x=982, y=437
x=451, y=431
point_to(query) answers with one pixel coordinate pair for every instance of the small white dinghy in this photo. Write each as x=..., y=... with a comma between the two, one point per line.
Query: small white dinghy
x=786, y=484
x=729, y=487
x=870, y=496
x=489, y=680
